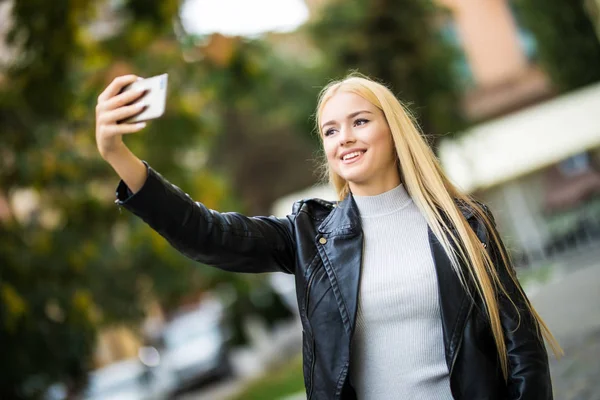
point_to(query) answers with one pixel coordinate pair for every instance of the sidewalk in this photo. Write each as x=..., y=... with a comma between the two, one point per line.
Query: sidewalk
x=571, y=304
x=571, y=308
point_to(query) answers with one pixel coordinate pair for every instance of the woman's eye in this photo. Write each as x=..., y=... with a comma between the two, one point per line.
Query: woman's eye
x=329, y=132
x=360, y=121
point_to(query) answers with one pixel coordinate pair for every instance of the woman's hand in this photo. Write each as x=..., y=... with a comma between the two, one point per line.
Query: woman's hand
x=112, y=107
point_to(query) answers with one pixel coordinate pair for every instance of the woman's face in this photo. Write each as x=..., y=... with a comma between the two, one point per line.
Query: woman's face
x=358, y=144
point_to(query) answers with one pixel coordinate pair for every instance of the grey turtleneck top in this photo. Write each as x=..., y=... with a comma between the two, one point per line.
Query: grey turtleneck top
x=398, y=345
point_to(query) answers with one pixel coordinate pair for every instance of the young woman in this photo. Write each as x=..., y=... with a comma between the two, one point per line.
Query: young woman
x=404, y=287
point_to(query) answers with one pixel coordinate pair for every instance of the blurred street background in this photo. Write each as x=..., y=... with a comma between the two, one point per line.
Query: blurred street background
x=95, y=305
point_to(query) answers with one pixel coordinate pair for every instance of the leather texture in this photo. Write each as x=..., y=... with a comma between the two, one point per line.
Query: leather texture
x=321, y=243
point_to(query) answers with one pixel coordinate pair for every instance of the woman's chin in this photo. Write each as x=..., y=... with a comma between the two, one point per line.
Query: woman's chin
x=352, y=172
x=355, y=179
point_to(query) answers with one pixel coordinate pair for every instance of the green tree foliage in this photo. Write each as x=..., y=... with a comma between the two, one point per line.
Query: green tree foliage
x=64, y=273
x=70, y=261
x=399, y=43
x=568, y=48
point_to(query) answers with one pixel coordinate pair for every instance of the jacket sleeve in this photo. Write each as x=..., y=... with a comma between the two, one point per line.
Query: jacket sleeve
x=229, y=241
x=528, y=368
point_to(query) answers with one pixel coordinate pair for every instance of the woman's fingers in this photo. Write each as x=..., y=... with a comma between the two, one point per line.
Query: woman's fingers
x=113, y=116
x=120, y=100
x=123, y=129
x=114, y=106
x=115, y=87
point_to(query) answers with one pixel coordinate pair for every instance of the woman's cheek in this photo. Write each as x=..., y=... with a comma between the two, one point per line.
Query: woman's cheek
x=331, y=156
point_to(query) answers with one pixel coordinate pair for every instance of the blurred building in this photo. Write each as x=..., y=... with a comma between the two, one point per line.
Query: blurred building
x=499, y=58
x=533, y=156
x=538, y=168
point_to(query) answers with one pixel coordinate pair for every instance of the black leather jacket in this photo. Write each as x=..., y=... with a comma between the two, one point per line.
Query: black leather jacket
x=321, y=244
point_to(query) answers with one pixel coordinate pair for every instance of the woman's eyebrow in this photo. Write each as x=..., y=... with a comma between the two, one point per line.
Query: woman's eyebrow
x=351, y=115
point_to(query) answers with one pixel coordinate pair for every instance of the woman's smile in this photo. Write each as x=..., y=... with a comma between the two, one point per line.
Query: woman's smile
x=352, y=157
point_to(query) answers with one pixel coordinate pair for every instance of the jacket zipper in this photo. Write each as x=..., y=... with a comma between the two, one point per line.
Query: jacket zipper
x=461, y=336
x=310, y=281
x=455, y=357
x=354, y=325
x=306, y=302
x=312, y=368
x=458, y=347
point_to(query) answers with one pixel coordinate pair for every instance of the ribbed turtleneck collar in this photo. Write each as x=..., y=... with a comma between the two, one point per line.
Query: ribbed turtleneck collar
x=384, y=203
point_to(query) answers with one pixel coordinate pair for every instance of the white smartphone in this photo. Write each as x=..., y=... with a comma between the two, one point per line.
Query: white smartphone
x=155, y=98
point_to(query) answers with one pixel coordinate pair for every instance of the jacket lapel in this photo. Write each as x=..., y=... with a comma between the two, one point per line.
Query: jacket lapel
x=340, y=245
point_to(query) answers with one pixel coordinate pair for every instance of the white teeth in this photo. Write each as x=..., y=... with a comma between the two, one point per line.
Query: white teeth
x=352, y=155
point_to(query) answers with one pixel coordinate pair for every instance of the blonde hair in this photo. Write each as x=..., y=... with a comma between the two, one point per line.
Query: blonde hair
x=437, y=199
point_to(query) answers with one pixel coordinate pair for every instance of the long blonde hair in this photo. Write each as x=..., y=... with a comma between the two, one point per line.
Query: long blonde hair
x=437, y=199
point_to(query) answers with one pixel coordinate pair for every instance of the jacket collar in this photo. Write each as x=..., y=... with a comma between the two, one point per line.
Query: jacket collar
x=344, y=217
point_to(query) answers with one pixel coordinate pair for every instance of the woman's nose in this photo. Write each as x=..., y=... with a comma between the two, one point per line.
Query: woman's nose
x=346, y=136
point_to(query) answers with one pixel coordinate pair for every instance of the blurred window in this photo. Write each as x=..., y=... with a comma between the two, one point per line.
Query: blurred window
x=527, y=40
x=461, y=65
x=574, y=165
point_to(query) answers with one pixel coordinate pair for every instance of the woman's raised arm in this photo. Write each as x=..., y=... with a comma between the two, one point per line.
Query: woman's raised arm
x=230, y=241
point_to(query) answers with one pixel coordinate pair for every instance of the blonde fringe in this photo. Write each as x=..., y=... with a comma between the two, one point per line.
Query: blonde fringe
x=431, y=191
